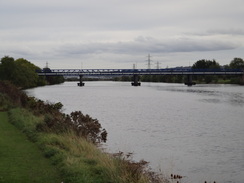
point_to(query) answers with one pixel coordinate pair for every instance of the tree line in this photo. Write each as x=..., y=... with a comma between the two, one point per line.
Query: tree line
x=23, y=73
x=236, y=63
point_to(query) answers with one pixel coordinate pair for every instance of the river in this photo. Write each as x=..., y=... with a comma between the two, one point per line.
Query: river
x=197, y=132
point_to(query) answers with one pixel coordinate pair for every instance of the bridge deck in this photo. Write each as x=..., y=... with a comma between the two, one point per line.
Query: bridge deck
x=121, y=72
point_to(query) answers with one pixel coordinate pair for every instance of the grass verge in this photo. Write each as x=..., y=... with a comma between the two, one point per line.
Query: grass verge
x=21, y=160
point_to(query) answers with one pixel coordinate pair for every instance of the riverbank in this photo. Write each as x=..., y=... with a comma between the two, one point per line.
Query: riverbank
x=76, y=156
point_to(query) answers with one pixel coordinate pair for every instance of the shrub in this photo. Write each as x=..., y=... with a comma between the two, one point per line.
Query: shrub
x=83, y=126
x=4, y=102
x=16, y=96
x=87, y=127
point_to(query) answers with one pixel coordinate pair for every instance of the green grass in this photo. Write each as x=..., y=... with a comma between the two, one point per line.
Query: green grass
x=20, y=159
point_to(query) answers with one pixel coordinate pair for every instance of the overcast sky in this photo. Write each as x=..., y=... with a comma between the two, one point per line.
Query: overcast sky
x=120, y=33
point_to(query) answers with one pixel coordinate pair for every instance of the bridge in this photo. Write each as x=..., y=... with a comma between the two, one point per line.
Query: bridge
x=189, y=72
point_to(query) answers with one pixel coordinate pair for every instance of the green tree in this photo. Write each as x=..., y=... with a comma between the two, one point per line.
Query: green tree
x=22, y=73
x=27, y=76
x=237, y=63
x=7, y=68
x=206, y=64
x=52, y=79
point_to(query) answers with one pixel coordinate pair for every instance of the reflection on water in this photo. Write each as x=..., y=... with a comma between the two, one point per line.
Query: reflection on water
x=213, y=93
x=193, y=131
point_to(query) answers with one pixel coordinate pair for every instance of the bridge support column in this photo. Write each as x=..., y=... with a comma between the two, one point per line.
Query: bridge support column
x=81, y=81
x=189, y=81
x=242, y=79
x=135, y=81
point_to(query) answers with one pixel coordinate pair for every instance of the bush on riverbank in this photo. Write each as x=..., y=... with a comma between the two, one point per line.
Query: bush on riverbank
x=77, y=159
x=23, y=73
x=68, y=141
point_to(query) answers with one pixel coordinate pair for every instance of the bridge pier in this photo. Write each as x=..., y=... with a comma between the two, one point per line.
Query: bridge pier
x=242, y=79
x=135, y=81
x=81, y=81
x=189, y=81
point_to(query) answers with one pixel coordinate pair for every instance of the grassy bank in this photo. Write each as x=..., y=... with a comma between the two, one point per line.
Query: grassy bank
x=21, y=160
x=77, y=159
x=69, y=142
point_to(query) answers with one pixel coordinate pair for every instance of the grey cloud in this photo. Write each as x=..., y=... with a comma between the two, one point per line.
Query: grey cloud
x=211, y=32
x=142, y=45
x=74, y=28
x=227, y=31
